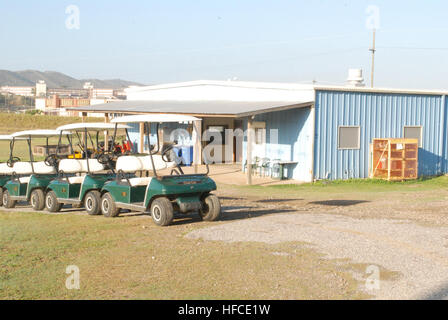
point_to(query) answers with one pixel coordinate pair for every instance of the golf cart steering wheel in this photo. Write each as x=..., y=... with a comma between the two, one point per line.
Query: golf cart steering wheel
x=104, y=158
x=177, y=161
x=165, y=153
x=51, y=160
x=10, y=162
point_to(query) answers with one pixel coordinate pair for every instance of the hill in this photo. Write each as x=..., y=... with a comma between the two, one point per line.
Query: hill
x=56, y=80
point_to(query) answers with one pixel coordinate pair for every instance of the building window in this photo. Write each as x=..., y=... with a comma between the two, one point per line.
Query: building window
x=260, y=132
x=349, y=137
x=414, y=132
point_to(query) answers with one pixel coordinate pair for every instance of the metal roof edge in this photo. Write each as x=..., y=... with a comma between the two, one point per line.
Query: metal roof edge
x=238, y=84
x=276, y=109
x=381, y=90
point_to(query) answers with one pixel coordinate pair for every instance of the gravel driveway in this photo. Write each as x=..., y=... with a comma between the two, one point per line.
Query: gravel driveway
x=418, y=253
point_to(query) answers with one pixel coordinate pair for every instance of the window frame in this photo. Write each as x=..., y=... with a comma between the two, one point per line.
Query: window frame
x=259, y=125
x=420, y=141
x=359, y=137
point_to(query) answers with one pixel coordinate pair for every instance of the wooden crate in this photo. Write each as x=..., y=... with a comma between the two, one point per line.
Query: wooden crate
x=42, y=150
x=394, y=159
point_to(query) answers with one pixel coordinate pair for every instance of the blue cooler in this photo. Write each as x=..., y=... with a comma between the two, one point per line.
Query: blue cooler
x=187, y=155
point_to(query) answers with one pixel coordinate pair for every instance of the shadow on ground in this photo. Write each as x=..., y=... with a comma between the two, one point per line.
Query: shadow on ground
x=231, y=198
x=338, y=203
x=439, y=293
x=276, y=200
x=229, y=216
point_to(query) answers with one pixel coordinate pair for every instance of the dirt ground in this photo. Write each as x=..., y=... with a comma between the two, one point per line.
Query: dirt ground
x=403, y=233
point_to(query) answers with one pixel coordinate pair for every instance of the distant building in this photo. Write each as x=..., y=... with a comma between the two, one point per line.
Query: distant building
x=19, y=91
x=88, y=85
x=102, y=93
x=41, y=89
x=56, y=105
x=62, y=92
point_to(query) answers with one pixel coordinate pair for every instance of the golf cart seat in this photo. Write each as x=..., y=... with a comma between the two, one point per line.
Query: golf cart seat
x=5, y=169
x=94, y=166
x=42, y=168
x=144, y=181
x=23, y=168
x=24, y=180
x=79, y=166
x=133, y=164
x=159, y=164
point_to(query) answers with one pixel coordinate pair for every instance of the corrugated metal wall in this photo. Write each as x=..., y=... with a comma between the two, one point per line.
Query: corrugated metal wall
x=379, y=115
x=294, y=140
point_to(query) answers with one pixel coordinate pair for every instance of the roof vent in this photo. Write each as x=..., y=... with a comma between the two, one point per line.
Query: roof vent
x=355, y=78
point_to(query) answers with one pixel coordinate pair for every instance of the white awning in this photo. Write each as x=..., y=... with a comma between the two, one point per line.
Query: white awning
x=154, y=118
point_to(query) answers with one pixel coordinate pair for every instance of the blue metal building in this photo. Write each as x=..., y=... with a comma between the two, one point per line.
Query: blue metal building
x=311, y=136
x=377, y=114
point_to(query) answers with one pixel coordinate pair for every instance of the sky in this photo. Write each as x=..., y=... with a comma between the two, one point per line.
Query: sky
x=161, y=41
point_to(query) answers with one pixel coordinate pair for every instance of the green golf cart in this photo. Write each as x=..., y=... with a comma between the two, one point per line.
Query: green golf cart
x=139, y=187
x=5, y=170
x=80, y=179
x=28, y=180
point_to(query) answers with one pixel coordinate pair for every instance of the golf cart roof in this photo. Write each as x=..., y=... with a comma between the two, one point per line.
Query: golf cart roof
x=5, y=137
x=95, y=126
x=154, y=118
x=37, y=133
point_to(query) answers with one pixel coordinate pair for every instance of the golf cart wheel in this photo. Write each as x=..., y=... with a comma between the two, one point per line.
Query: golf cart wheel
x=162, y=211
x=92, y=203
x=108, y=207
x=51, y=202
x=7, y=201
x=37, y=200
x=1, y=197
x=211, y=208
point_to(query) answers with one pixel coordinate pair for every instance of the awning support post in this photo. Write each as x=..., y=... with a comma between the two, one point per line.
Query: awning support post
x=106, y=133
x=250, y=141
x=141, y=144
x=197, y=146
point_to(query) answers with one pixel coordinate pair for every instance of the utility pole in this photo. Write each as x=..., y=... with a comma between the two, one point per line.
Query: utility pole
x=373, y=49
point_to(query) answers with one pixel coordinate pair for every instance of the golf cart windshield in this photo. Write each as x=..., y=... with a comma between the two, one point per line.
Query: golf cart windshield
x=29, y=135
x=165, y=153
x=91, y=144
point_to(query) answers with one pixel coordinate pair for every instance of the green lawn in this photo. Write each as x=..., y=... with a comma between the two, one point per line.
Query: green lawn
x=12, y=122
x=129, y=257
x=356, y=188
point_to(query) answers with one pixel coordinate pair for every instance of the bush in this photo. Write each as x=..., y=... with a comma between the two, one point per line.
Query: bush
x=33, y=112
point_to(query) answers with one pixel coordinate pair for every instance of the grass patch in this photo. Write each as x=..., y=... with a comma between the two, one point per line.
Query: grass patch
x=361, y=185
x=118, y=258
x=12, y=122
x=344, y=190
